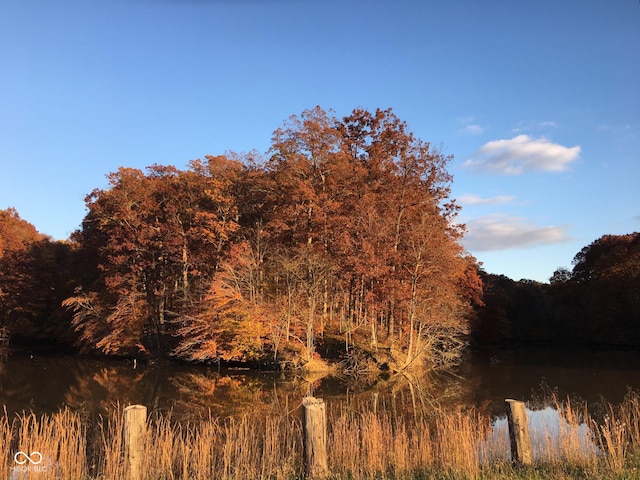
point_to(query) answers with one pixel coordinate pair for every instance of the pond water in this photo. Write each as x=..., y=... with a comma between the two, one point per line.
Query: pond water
x=550, y=432
x=46, y=383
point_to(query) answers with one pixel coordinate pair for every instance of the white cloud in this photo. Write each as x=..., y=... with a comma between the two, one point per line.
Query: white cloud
x=471, y=199
x=502, y=232
x=468, y=126
x=473, y=130
x=514, y=156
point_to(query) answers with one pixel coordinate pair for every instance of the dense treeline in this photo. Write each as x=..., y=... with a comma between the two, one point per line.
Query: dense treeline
x=342, y=242
x=36, y=275
x=597, y=302
x=344, y=235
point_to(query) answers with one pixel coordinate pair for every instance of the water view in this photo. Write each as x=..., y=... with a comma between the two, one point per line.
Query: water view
x=396, y=423
x=45, y=384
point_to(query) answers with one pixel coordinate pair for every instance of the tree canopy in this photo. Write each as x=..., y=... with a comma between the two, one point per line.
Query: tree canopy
x=15, y=233
x=596, y=302
x=344, y=233
x=341, y=241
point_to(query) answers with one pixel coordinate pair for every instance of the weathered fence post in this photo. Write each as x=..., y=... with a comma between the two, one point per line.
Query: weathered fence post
x=135, y=429
x=314, y=437
x=521, y=451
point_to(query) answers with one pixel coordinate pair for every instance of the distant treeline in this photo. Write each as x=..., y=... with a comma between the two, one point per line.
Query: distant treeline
x=595, y=303
x=341, y=243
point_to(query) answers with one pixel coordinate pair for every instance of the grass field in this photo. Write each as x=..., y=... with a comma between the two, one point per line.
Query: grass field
x=449, y=444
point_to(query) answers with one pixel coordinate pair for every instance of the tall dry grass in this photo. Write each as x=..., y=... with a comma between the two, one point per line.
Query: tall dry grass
x=229, y=449
x=6, y=436
x=59, y=439
x=459, y=443
x=618, y=433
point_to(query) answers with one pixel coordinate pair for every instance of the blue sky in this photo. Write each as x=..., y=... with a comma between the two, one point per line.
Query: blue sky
x=539, y=102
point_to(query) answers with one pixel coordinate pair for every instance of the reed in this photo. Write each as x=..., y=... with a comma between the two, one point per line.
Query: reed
x=454, y=444
x=56, y=443
x=458, y=438
x=574, y=442
x=6, y=437
x=619, y=432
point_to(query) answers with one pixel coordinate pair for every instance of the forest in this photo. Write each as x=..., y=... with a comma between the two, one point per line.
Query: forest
x=595, y=303
x=340, y=244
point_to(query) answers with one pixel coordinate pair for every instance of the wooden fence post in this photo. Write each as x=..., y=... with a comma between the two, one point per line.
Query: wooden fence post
x=135, y=429
x=521, y=451
x=314, y=437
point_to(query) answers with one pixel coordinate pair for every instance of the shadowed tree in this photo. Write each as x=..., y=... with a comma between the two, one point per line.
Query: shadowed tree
x=35, y=276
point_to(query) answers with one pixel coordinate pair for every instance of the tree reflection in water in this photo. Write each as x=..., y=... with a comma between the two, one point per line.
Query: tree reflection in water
x=45, y=384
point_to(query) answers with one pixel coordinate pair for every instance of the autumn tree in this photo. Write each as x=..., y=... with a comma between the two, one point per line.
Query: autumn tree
x=35, y=276
x=346, y=231
x=15, y=233
x=303, y=153
x=228, y=323
x=233, y=320
x=362, y=197
x=407, y=232
x=156, y=235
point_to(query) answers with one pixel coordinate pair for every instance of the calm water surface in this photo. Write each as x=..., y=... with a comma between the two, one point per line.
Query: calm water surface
x=45, y=384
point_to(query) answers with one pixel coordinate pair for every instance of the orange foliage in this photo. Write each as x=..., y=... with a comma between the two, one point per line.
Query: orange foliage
x=346, y=230
x=16, y=233
x=227, y=326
